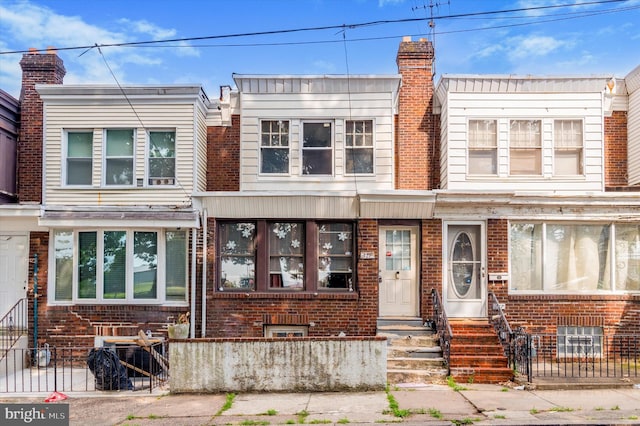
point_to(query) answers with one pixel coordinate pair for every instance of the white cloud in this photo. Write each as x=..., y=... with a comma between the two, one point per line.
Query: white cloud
x=523, y=47
x=25, y=25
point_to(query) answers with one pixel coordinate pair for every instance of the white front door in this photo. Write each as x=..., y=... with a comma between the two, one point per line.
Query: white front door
x=398, y=263
x=465, y=290
x=14, y=268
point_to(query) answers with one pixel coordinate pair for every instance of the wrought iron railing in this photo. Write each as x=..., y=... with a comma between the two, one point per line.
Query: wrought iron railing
x=13, y=325
x=67, y=369
x=443, y=328
x=500, y=324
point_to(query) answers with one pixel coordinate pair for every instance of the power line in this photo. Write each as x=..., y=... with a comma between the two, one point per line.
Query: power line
x=321, y=28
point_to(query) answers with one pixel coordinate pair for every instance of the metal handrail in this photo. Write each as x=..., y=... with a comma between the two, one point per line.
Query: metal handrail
x=13, y=325
x=443, y=328
x=500, y=323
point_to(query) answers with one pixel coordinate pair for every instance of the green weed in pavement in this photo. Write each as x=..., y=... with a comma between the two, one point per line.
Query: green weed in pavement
x=227, y=404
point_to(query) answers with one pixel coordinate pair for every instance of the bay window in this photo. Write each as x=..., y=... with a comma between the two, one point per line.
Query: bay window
x=574, y=258
x=286, y=256
x=359, y=147
x=79, y=156
x=274, y=146
x=115, y=266
x=317, y=148
x=119, y=155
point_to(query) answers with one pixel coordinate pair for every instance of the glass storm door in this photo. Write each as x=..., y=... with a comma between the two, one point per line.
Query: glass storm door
x=398, y=264
x=465, y=292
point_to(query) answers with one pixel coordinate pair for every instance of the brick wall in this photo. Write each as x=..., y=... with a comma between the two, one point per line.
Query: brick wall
x=415, y=145
x=615, y=150
x=36, y=69
x=245, y=314
x=431, y=260
x=223, y=157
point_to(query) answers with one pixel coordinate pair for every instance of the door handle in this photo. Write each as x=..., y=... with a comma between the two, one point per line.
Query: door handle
x=397, y=275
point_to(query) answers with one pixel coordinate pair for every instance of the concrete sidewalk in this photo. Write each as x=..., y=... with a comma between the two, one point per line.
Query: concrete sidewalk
x=416, y=404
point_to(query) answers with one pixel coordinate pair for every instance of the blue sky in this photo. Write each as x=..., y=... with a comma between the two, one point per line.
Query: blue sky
x=585, y=39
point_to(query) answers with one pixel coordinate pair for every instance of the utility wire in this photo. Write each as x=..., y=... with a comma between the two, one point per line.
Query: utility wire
x=327, y=27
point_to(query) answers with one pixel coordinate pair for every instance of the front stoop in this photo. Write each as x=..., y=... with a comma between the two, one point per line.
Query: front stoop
x=476, y=353
x=413, y=351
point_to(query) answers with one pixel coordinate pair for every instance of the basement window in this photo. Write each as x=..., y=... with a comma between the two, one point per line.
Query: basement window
x=285, y=331
x=577, y=342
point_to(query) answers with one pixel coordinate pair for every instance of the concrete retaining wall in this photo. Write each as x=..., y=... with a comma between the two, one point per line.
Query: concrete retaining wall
x=292, y=364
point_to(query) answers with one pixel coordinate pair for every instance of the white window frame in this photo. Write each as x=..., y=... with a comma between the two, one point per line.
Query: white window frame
x=296, y=330
x=104, y=158
x=493, y=148
x=129, y=285
x=331, y=148
x=65, y=156
x=612, y=260
x=262, y=147
x=538, y=148
x=354, y=148
x=579, y=148
x=154, y=181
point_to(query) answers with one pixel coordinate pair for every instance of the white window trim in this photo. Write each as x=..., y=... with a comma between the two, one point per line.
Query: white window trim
x=100, y=300
x=553, y=147
x=269, y=330
x=345, y=148
x=470, y=175
x=65, y=157
x=103, y=177
x=288, y=172
x=545, y=290
x=302, y=149
x=147, y=161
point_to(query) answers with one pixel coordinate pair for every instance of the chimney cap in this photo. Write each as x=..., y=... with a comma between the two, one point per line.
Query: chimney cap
x=406, y=38
x=33, y=50
x=52, y=50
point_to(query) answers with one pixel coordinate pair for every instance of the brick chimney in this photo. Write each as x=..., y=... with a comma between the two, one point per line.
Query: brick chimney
x=416, y=149
x=36, y=69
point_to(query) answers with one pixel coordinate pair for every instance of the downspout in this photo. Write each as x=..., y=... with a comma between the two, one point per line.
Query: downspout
x=192, y=333
x=205, y=251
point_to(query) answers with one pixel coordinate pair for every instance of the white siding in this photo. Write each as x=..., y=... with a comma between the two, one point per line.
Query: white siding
x=633, y=135
x=99, y=116
x=501, y=106
x=298, y=107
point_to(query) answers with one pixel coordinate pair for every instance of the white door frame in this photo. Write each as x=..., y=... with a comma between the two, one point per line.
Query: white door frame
x=467, y=307
x=399, y=289
x=15, y=273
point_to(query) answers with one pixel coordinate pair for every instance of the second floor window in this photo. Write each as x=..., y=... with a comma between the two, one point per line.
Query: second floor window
x=317, y=148
x=274, y=146
x=525, y=147
x=162, y=157
x=119, y=157
x=79, y=158
x=359, y=147
x=567, y=147
x=483, y=147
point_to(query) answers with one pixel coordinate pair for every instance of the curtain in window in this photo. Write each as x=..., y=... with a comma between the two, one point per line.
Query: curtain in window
x=627, y=257
x=483, y=147
x=526, y=256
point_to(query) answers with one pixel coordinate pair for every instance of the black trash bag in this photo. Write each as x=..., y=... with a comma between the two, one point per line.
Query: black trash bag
x=106, y=368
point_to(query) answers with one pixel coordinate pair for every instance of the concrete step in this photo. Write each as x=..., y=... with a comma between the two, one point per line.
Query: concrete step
x=430, y=352
x=432, y=375
x=410, y=340
x=414, y=363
